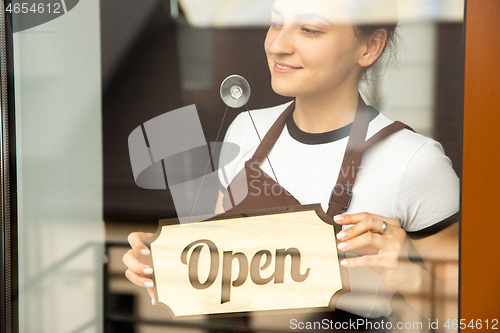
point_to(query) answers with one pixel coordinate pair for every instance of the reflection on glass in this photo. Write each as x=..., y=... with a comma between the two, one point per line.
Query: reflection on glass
x=411, y=85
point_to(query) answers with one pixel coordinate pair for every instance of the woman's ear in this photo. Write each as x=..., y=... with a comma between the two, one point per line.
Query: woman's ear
x=373, y=47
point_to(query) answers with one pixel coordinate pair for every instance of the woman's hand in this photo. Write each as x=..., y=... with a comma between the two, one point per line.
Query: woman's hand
x=384, y=251
x=137, y=260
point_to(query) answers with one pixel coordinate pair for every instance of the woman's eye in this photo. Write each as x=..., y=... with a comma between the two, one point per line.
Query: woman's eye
x=310, y=31
x=275, y=25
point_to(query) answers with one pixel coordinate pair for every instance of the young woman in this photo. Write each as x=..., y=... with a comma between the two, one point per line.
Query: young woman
x=405, y=196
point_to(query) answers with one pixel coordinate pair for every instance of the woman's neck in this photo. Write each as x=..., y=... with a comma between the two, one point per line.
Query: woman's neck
x=327, y=112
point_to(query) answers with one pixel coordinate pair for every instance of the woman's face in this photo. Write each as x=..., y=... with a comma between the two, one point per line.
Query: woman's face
x=312, y=48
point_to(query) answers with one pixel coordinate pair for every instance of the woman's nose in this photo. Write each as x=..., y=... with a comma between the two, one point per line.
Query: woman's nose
x=280, y=41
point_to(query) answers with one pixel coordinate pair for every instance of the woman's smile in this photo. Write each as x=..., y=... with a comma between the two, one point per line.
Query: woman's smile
x=310, y=51
x=283, y=68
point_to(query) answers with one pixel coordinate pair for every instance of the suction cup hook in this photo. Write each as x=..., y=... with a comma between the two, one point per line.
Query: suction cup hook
x=235, y=91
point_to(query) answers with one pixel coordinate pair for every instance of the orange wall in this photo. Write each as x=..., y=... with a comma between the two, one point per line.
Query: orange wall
x=480, y=270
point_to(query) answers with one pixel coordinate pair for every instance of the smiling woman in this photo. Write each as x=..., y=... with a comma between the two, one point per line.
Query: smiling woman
x=399, y=204
x=316, y=54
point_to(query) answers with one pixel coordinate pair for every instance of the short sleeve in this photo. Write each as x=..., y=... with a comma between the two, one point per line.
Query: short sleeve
x=427, y=198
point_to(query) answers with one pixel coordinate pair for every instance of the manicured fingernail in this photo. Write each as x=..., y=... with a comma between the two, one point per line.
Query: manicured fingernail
x=341, y=235
x=344, y=262
x=148, y=284
x=147, y=271
x=153, y=301
x=338, y=218
x=342, y=246
x=146, y=252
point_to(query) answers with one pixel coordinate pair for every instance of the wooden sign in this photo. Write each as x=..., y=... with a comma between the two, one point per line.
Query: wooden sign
x=265, y=260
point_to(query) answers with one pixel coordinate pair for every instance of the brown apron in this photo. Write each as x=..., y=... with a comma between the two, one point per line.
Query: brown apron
x=342, y=191
x=340, y=198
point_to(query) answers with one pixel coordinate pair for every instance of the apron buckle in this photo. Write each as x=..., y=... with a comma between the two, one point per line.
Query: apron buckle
x=341, y=195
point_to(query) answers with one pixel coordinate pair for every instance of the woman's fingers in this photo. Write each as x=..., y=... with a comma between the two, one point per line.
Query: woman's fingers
x=137, y=263
x=366, y=240
x=379, y=244
x=152, y=295
x=138, y=242
x=370, y=224
x=345, y=219
x=138, y=279
x=137, y=260
x=374, y=261
x=363, y=251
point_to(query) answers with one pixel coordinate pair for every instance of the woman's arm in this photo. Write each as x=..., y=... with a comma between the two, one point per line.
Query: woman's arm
x=389, y=255
x=440, y=256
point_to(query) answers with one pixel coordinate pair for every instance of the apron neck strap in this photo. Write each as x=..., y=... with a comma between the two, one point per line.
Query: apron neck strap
x=272, y=135
x=358, y=130
x=356, y=146
x=341, y=196
x=356, y=137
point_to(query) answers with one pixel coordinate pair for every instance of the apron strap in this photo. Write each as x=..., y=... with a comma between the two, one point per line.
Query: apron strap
x=359, y=128
x=272, y=135
x=356, y=146
x=356, y=137
x=342, y=192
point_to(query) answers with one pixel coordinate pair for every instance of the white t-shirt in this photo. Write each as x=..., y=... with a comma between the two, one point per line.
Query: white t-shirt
x=406, y=176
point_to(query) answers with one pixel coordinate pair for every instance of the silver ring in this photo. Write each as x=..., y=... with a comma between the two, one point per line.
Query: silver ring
x=384, y=227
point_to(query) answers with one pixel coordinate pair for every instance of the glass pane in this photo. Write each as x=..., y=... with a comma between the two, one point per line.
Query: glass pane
x=59, y=170
x=184, y=58
x=96, y=74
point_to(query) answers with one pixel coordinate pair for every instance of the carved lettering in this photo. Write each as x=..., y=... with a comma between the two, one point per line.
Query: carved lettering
x=227, y=267
x=279, y=272
x=255, y=267
x=228, y=257
x=192, y=263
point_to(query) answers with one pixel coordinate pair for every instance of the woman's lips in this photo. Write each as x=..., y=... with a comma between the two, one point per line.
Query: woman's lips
x=285, y=68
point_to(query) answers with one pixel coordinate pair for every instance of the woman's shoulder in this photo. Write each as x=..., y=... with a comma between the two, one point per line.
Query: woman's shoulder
x=408, y=151
x=242, y=128
x=263, y=118
x=241, y=140
x=405, y=141
x=426, y=186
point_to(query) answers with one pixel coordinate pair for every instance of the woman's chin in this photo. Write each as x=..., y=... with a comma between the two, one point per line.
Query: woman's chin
x=284, y=90
x=285, y=95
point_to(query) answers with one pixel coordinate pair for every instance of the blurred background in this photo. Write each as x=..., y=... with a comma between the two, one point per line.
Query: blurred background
x=86, y=80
